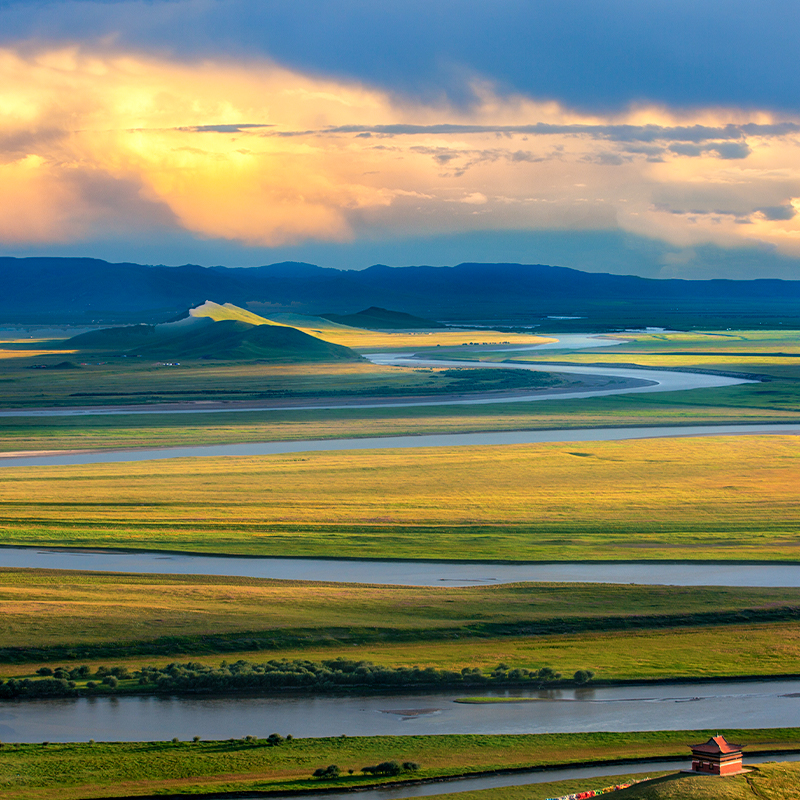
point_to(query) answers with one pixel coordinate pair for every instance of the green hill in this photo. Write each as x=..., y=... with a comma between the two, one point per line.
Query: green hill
x=233, y=340
x=229, y=339
x=379, y=319
x=111, y=338
x=772, y=781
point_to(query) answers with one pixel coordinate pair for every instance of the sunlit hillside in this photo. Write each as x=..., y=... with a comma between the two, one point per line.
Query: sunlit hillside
x=230, y=312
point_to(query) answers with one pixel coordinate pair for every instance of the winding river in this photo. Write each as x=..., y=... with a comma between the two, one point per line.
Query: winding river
x=629, y=381
x=390, y=442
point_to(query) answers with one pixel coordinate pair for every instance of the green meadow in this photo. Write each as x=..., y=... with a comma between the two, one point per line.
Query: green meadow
x=620, y=632
x=718, y=498
x=85, y=771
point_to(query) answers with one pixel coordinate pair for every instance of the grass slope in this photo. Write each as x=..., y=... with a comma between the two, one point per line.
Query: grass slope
x=768, y=782
x=228, y=311
x=84, y=771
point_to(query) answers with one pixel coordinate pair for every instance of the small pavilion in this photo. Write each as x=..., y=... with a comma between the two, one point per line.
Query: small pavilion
x=717, y=757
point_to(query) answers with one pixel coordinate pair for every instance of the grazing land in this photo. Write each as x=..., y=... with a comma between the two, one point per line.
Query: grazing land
x=84, y=771
x=719, y=498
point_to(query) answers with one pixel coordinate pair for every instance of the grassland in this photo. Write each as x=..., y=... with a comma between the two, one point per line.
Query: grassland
x=84, y=771
x=96, y=381
x=109, y=612
x=727, y=405
x=118, y=382
x=622, y=633
x=720, y=498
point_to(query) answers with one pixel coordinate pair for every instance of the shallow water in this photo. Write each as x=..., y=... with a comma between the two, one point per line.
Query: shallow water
x=405, y=573
x=758, y=704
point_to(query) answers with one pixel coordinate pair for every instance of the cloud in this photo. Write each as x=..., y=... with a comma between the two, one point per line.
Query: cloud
x=778, y=212
x=596, y=55
x=94, y=140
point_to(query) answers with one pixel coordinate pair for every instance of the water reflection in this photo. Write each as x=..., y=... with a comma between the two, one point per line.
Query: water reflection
x=756, y=704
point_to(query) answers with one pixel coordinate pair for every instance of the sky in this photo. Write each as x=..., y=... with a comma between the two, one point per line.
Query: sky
x=652, y=137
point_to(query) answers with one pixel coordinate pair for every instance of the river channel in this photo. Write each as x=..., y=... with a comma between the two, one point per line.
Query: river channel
x=617, y=380
x=401, y=573
x=493, y=438
x=757, y=704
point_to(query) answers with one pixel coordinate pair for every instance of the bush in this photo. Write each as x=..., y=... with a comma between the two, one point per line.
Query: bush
x=410, y=766
x=583, y=676
x=274, y=739
x=80, y=672
x=44, y=671
x=331, y=771
x=384, y=768
x=111, y=681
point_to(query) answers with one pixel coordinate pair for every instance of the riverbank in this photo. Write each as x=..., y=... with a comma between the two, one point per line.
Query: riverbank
x=254, y=765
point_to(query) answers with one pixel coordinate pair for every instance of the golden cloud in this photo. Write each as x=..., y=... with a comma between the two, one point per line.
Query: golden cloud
x=92, y=143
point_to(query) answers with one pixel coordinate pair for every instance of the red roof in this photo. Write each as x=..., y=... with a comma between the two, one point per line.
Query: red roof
x=716, y=745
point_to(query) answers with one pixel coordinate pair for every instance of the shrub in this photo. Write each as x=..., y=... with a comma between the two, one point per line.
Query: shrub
x=44, y=671
x=80, y=672
x=111, y=681
x=410, y=766
x=384, y=768
x=331, y=771
x=583, y=676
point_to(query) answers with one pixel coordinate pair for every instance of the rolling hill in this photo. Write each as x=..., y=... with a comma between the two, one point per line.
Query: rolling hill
x=228, y=339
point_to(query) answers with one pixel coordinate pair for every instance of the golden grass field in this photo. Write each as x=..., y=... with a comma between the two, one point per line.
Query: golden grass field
x=728, y=498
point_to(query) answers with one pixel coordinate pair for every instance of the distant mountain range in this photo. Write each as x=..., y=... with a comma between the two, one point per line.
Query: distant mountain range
x=90, y=291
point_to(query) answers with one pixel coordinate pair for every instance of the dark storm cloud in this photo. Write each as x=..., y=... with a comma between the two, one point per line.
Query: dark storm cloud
x=778, y=212
x=594, y=54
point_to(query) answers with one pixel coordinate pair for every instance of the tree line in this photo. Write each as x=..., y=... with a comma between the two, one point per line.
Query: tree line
x=277, y=674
